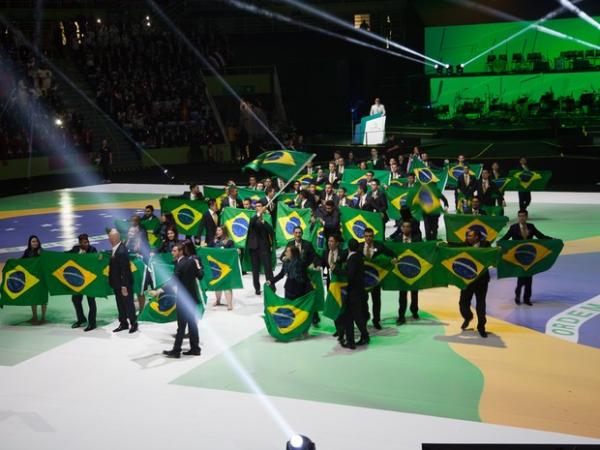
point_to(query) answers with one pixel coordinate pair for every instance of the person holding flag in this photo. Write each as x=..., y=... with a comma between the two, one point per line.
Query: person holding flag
x=34, y=250
x=466, y=184
x=294, y=268
x=488, y=192
x=84, y=247
x=519, y=231
x=208, y=224
x=259, y=244
x=524, y=196
x=408, y=236
x=221, y=240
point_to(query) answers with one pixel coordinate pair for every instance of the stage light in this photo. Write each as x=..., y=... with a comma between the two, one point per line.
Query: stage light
x=460, y=69
x=98, y=20
x=148, y=24
x=571, y=7
x=449, y=69
x=439, y=69
x=299, y=442
x=58, y=122
x=147, y=17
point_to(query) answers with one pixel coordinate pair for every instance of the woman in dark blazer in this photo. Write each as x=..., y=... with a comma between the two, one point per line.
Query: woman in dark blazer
x=222, y=240
x=33, y=250
x=297, y=283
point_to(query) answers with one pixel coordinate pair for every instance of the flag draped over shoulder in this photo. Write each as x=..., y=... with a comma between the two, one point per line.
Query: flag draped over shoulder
x=396, y=196
x=414, y=268
x=424, y=199
x=23, y=283
x=528, y=180
x=457, y=226
x=355, y=222
x=187, y=213
x=221, y=268
x=76, y=274
x=526, y=258
x=336, y=296
x=282, y=163
x=288, y=219
x=356, y=176
x=463, y=265
x=456, y=170
x=287, y=319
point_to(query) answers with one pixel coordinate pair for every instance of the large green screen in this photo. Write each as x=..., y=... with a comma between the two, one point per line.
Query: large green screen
x=458, y=44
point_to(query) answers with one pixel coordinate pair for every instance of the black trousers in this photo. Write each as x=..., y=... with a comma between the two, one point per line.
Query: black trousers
x=125, y=306
x=258, y=258
x=524, y=282
x=524, y=199
x=77, y=303
x=431, y=226
x=464, y=304
x=353, y=314
x=376, y=308
x=402, y=302
x=186, y=316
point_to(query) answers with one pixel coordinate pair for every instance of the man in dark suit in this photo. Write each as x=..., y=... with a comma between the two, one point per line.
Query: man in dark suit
x=208, y=224
x=270, y=202
x=408, y=236
x=487, y=191
x=370, y=249
x=478, y=288
x=431, y=221
x=466, y=184
x=306, y=249
x=84, y=247
x=524, y=196
x=328, y=194
x=259, y=243
x=183, y=284
x=193, y=194
x=120, y=280
x=376, y=201
x=231, y=199
x=356, y=297
x=520, y=231
x=376, y=162
x=476, y=207
x=332, y=175
x=329, y=216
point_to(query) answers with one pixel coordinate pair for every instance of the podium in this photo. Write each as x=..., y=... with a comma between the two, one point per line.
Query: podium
x=370, y=130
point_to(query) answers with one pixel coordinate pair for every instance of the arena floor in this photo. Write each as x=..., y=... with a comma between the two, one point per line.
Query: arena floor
x=423, y=382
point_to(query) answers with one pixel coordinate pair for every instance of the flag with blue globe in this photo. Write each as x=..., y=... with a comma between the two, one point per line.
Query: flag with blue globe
x=23, y=283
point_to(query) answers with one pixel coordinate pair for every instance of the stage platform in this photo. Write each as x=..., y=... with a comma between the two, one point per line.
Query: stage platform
x=425, y=381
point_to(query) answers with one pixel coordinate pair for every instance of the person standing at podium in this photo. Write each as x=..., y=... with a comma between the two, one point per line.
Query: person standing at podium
x=377, y=108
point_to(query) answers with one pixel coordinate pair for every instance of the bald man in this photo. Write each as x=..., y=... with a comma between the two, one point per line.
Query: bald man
x=121, y=281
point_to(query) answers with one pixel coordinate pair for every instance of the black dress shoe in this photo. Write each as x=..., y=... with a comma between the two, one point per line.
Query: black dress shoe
x=336, y=334
x=400, y=321
x=133, y=328
x=482, y=333
x=349, y=345
x=90, y=328
x=121, y=328
x=172, y=354
x=363, y=340
x=416, y=316
x=517, y=300
x=528, y=302
x=257, y=292
x=377, y=325
x=195, y=352
x=465, y=324
x=77, y=324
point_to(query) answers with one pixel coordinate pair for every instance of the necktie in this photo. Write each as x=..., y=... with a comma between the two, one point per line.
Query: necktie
x=485, y=185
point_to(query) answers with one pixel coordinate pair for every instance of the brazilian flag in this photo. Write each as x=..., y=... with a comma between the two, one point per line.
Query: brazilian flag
x=317, y=238
x=161, y=266
x=138, y=270
x=284, y=164
x=528, y=180
x=73, y=274
x=457, y=226
x=288, y=219
x=414, y=268
x=425, y=175
x=355, y=222
x=376, y=270
x=336, y=296
x=526, y=258
x=152, y=227
x=187, y=213
x=122, y=226
x=493, y=210
x=213, y=193
x=316, y=280
x=163, y=309
x=288, y=319
x=237, y=220
x=356, y=176
x=23, y=283
x=287, y=199
x=424, y=199
x=306, y=179
x=502, y=183
x=251, y=194
x=456, y=170
x=396, y=196
x=221, y=268
x=463, y=265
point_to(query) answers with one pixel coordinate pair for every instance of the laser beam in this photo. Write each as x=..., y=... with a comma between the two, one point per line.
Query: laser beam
x=582, y=14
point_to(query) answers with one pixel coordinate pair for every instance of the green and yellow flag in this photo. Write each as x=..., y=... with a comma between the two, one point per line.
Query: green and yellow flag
x=376, y=271
x=281, y=163
x=316, y=280
x=463, y=265
x=528, y=180
x=526, y=258
x=288, y=219
x=163, y=309
x=336, y=296
x=424, y=199
x=457, y=226
x=456, y=170
x=287, y=319
x=221, y=268
x=355, y=176
x=251, y=194
x=355, y=222
x=23, y=283
x=396, y=196
x=414, y=268
x=76, y=274
x=425, y=175
x=237, y=220
x=317, y=238
x=152, y=227
x=187, y=213
x=161, y=266
x=493, y=210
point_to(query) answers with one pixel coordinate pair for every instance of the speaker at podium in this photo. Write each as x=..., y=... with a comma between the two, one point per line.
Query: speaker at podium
x=370, y=130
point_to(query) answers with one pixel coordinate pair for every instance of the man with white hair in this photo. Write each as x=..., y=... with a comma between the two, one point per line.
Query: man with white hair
x=120, y=280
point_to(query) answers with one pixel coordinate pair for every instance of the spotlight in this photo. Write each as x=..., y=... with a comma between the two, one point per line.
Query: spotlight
x=98, y=20
x=299, y=442
x=460, y=69
x=148, y=24
x=147, y=17
x=449, y=69
x=439, y=69
x=165, y=171
x=58, y=122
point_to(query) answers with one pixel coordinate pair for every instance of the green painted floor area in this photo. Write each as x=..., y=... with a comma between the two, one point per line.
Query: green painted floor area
x=54, y=199
x=403, y=369
x=566, y=222
x=20, y=341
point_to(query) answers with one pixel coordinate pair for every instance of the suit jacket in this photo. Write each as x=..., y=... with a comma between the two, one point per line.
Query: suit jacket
x=379, y=249
x=119, y=270
x=77, y=248
x=184, y=279
x=187, y=195
x=225, y=202
x=260, y=235
x=355, y=271
x=208, y=225
x=467, y=190
x=484, y=277
x=414, y=237
x=336, y=178
x=342, y=255
x=379, y=164
x=514, y=232
x=481, y=212
x=378, y=204
x=334, y=197
x=307, y=251
x=490, y=196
